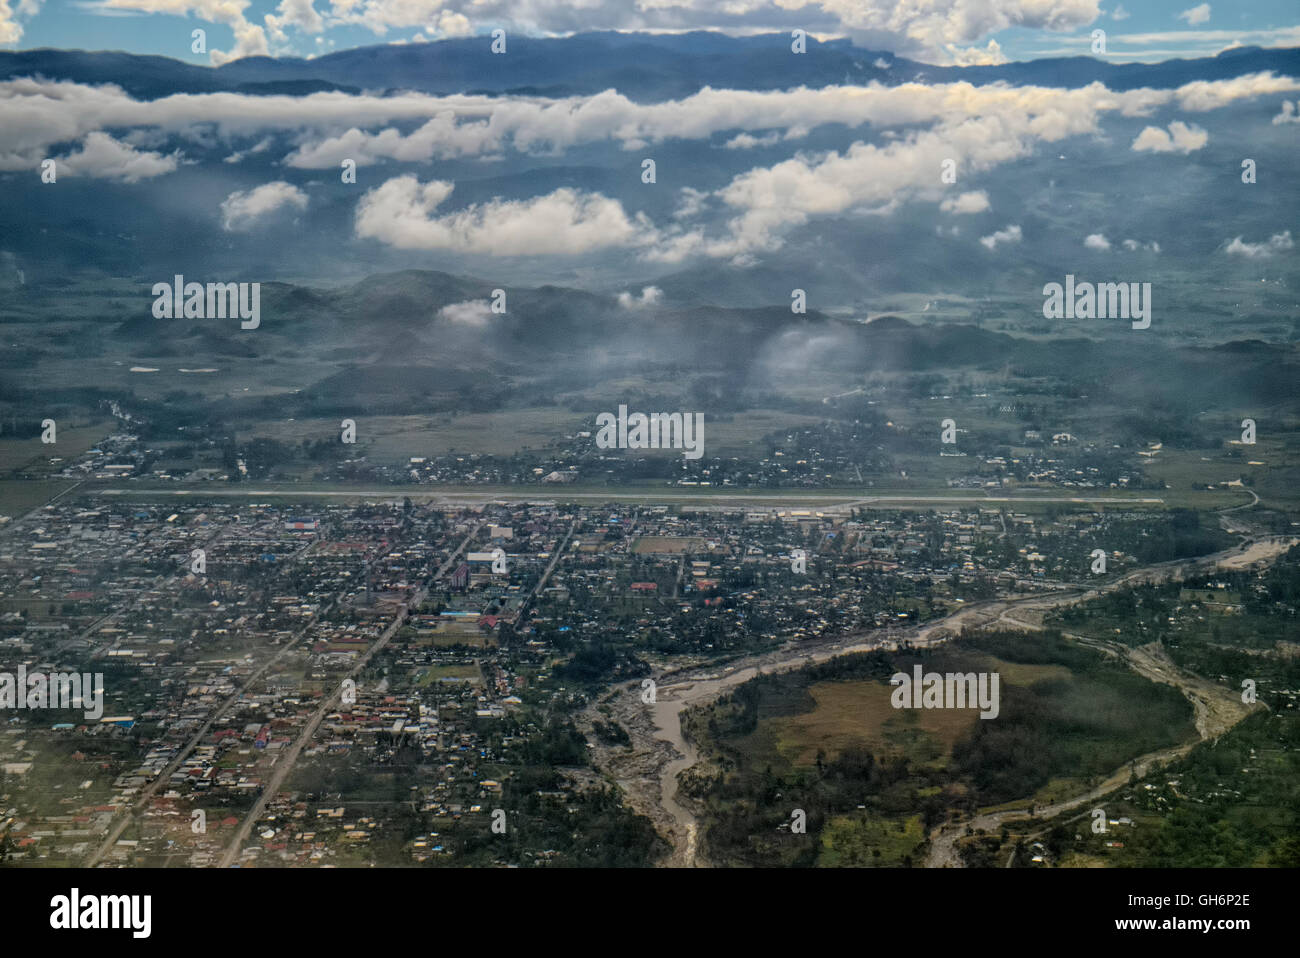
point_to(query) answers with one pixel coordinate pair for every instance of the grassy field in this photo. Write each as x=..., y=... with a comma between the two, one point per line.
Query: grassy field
x=864, y=842
x=504, y=433
x=849, y=714
x=398, y=438
x=34, y=456
x=18, y=496
x=666, y=545
x=465, y=673
x=860, y=714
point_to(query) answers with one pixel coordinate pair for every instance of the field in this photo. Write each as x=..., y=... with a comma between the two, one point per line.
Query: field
x=440, y=673
x=18, y=496
x=667, y=545
x=34, y=455
x=398, y=438
x=395, y=439
x=859, y=841
x=849, y=714
x=828, y=739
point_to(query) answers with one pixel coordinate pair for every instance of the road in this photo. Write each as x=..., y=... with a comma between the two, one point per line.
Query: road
x=149, y=791
x=284, y=765
x=711, y=500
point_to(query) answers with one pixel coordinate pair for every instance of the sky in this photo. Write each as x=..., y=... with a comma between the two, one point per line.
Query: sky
x=935, y=31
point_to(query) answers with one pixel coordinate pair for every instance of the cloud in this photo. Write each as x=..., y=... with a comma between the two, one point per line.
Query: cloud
x=11, y=31
x=983, y=127
x=250, y=39
x=1009, y=235
x=261, y=146
x=650, y=296
x=1181, y=138
x=990, y=55
x=484, y=126
x=1196, y=15
x=565, y=222
x=454, y=24
x=973, y=202
x=1096, y=241
x=473, y=312
x=1133, y=245
x=327, y=128
x=1289, y=114
x=103, y=157
x=299, y=14
x=1163, y=45
x=867, y=178
x=1277, y=243
x=240, y=211
x=1202, y=96
x=1119, y=13
x=745, y=141
x=691, y=203
x=929, y=29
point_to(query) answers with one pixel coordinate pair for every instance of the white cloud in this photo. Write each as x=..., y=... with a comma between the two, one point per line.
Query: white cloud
x=1277, y=243
x=11, y=31
x=1119, y=13
x=36, y=114
x=650, y=296
x=103, y=157
x=982, y=126
x=925, y=29
x=1096, y=241
x=261, y=146
x=973, y=202
x=294, y=13
x=1289, y=114
x=240, y=211
x=1133, y=245
x=990, y=55
x=1181, y=138
x=473, y=312
x=690, y=204
x=744, y=141
x=452, y=24
x=1202, y=96
x=1196, y=15
x=565, y=222
x=1163, y=45
x=476, y=126
x=250, y=39
x=1009, y=235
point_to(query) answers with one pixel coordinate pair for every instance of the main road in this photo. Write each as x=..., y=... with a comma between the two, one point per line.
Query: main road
x=285, y=764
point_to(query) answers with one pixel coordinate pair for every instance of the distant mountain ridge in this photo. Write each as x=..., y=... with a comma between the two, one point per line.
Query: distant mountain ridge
x=644, y=67
x=400, y=320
